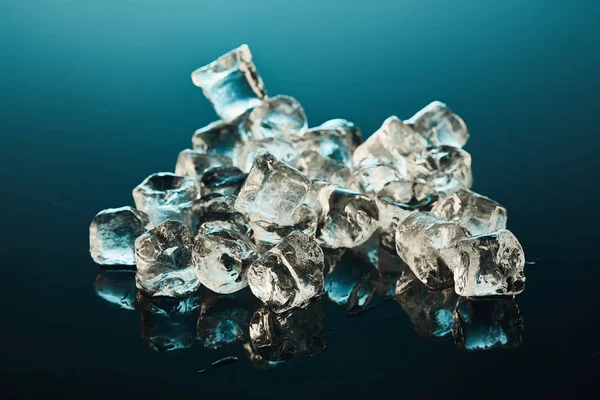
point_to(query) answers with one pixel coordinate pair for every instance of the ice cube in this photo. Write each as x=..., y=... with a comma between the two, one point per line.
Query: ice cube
x=396, y=201
x=389, y=144
x=164, y=196
x=194, y=164
x=289, y=274
x=347, y=129
x=274, y=117
x=477, y=213
x=216, y=211
x=231, y=83
x=164, y=261
x=282, y=148
x=113, y=233
x=328, y=143
x=168, y=324
x=289, y=336
x=273, y=190
x=484, y=324
x=349, y=218
x=486, y=265
x=446, y=168
x=266, y=233
x=319, y=192
x=116, y=287
x=317, y=167
x=217, y=138
x=371, y=178
x=222, y=180
x=423, y=241
x=221, y=260
x=440, y=126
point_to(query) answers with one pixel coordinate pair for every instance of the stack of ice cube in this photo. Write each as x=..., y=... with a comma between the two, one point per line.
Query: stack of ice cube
x=260, y=194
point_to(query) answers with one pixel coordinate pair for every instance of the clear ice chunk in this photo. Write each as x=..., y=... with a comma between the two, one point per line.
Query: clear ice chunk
x=168, y=324
x=328, y=143
x=440, y=126
x=289, y=336
x=477, y=213
x=164, y=261
x=282, y=148
x=486, y=265
x=216, y=211
x=217, y=138
x=113, y=233
x=231, y=83
x=423, y=241
x=289, y=274
x=221, y=259
x=319, y=192
x=273, y=191
x=347, y=129
x=164, y=196
x=389, y=144
x=349, y=218
x=396, y=201
x=371, y=178
x=445, y=168
x=274, y=117
x=222, y=180
x=266, y=233
x=484, y=324
x=317, y=167
x=116, y=287
x=194, y=164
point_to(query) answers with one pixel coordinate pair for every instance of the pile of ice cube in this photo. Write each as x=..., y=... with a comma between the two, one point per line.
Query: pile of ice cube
x=261, y=194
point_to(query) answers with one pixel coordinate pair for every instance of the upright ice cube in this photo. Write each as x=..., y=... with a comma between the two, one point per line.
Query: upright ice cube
x=345, y=128
x=216, y=211
x=446, y=168
x=116, y=287
x=390, y=143
x=349, y=218
x=289, y=336
x=168, y=324
x=164, y=196
x=289, y=274
x=231, y=83
x=273, y=190
x=371, y=178
x=479, y=325
x=440, y=126
x=194, y=164
x=164, y=261
x=486, y=265
x=221, y=260
x=113, y=233
x=217, y=138
x=477, y=213
x=424, y=241
x=396, y=201
x=266, y=233
x=274, y=117
x=222, y=180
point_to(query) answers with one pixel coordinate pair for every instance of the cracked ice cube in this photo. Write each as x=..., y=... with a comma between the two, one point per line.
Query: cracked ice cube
x=164, y=261
x=390, y=143
x=116, y=287
x=194, y=164
x=113, y=233
x=231, y=83
x=289, y=274
x=274, y=117
x=282, y=148
x=349, y=218
x=345, y=128
x=273, y=190
x=484, y=324
x=289, y=336
x=486, y=265
x=168, y=324
x=371, y=178
x=396, y=201
x=221, y=260
x=440, y=126
x=222, y=180
x=424, y=242
x=164, y=196
x=445, y=168
x=305, y=221
x=477, y=213
x=216, y=211
x=217, y=138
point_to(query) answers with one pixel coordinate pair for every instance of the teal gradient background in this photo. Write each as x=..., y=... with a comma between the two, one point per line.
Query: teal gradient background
x=96, y=95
